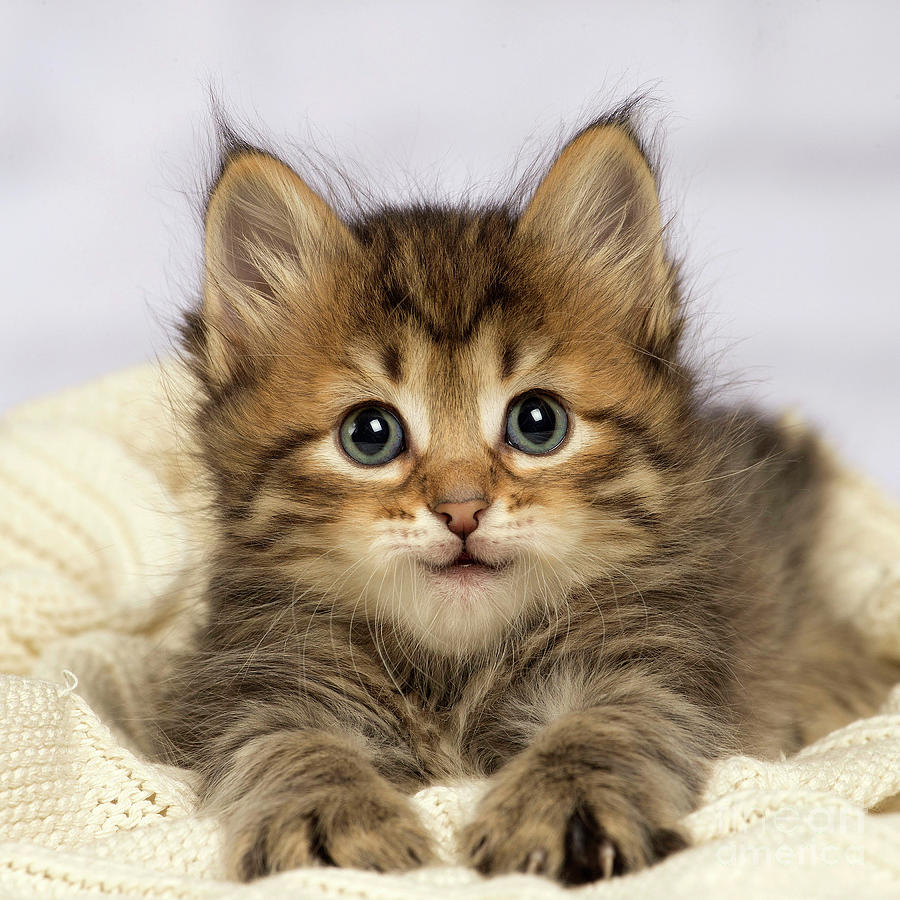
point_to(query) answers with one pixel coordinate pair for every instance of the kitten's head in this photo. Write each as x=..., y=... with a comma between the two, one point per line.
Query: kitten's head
x=442, y=420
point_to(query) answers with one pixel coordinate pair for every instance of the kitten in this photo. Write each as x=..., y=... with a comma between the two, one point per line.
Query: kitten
x=473, y=519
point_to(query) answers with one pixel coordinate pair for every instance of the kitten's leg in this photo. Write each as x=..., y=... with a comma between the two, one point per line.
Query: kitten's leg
x=597, y=792
x=297, y=798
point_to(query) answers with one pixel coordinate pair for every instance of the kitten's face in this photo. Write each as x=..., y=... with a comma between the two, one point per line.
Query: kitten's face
x=437, y=423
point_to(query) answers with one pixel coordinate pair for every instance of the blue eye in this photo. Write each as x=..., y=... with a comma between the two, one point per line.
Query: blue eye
x=536, y=424
x=372, y=436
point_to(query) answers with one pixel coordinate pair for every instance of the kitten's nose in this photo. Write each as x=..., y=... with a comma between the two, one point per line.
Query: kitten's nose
x=462, y=518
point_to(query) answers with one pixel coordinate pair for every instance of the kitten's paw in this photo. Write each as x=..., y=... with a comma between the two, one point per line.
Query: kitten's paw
x=520, y=827
x=377, y=829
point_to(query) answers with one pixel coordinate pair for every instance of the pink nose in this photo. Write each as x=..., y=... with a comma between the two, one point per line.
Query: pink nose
x=462, y=518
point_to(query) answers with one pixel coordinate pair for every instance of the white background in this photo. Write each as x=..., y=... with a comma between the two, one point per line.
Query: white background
x=782, y=141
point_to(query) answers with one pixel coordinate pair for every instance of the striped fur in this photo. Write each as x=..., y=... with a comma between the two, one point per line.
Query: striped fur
x=651, y=604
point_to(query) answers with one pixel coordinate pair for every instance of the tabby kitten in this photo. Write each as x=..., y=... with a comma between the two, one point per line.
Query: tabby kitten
x=473, y=519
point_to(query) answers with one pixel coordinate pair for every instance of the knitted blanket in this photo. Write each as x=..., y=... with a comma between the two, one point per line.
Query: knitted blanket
x=100, y=515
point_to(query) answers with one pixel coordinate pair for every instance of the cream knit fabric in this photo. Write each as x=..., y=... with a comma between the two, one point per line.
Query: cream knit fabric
x=100, y=513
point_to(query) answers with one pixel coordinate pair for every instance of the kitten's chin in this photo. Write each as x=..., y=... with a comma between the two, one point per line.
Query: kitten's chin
x=462, y=608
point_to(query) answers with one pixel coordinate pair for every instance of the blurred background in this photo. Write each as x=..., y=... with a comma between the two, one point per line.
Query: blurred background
x=781, y=139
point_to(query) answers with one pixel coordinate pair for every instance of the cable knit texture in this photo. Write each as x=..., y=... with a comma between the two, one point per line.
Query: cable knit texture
x=102, y=513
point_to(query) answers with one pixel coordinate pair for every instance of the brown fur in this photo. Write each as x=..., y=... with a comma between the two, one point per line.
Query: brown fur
x=652, y=606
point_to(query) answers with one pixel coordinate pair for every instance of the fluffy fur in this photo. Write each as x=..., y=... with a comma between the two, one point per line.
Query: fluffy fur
x=644, y=600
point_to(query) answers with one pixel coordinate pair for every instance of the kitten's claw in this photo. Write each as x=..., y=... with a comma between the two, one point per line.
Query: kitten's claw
x=607, y=855
x=535, y=862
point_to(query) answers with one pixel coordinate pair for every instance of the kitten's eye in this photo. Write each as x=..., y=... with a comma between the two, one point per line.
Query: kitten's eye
x=536, y=424
x=372, y=436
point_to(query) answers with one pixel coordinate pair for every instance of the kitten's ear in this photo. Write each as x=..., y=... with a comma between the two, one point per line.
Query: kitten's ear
x=269, y=239
x=598, y=207
x=598, y=197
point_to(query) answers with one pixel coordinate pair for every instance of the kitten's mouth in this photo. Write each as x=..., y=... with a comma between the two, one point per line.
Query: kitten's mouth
x=465, y=559
x=466, y=563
